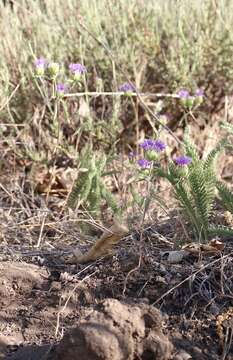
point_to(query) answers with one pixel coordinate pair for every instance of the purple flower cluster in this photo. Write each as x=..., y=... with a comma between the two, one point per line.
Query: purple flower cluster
x=199, y=92
x=144, y=164
x=61, y=88
x=53, y=68
x=77, y=68
x=40, y=63
x=183, y=94
x=188, y=100
x=132, y=155
x=183, y=160
x=150, y=144
x=126, y=87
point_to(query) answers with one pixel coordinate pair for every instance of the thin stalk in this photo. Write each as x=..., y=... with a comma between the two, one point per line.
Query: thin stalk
x=120, y=93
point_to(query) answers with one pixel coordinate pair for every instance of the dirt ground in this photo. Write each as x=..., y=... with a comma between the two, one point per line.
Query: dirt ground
x=136, y=304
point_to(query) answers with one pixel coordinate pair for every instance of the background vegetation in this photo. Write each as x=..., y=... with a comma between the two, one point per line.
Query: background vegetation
x=161, y=46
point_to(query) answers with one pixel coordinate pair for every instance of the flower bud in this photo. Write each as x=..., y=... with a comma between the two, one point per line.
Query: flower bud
x=151, y=155
x=188, y=102
x=127, y=88
x=40, y=65
x=77, y=71
x=132, y=156
x=199, y=97
x=61, y=89
x=53, y=69
x=144, y=172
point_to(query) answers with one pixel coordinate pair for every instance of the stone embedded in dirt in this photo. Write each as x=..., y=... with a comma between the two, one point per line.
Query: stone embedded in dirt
x=32, y=352
x=182, y=355
x=117, y=331
x=19, y=277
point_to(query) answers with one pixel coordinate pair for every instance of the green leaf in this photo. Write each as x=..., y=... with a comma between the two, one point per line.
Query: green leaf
x=220, y=230
x=226, y=196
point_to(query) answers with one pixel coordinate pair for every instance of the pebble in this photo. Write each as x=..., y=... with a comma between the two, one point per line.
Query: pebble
x=182, y=355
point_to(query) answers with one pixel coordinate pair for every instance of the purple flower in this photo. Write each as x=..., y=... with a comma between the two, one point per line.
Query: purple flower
x=132, y=155
x=144, y=164
x=183, y=160
x=159, y=145
x=147, y=144
x=199, y=92
x=61, y=88
x=40, y=66
x=126, y=87
x=40, y=63
x=183, y=93
x=77, y=68
x=156, y=145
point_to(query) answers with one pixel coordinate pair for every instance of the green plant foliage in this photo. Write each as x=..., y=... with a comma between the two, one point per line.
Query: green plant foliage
x=228, y=127
x=212, y=156
x=225, y=196
x=190, y=148
x=89, y=189
x=220, y=230
x=194, y=186
x=137, y=198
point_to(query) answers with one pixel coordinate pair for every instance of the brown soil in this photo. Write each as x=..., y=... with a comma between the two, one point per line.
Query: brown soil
x=104, y=311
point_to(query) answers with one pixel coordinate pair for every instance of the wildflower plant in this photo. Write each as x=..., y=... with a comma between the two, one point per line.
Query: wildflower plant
x=48, y=77
x=194, y=182
x=193, y=179
x=88, y=191
x=145, y=164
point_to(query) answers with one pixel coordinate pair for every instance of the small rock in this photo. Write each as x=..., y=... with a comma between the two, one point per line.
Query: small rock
x=182, y=355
